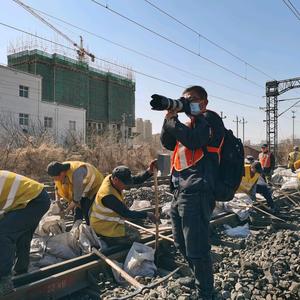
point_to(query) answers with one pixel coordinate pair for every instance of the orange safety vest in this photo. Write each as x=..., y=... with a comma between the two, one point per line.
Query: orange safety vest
x=265, y=159
x=183, y=158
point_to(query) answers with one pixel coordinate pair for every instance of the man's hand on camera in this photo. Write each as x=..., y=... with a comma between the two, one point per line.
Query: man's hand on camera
x=171, y=114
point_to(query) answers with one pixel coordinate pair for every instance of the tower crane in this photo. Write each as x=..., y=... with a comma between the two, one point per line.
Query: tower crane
x=81, y=51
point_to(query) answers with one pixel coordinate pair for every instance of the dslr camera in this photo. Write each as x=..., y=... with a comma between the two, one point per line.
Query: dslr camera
x=159, y=102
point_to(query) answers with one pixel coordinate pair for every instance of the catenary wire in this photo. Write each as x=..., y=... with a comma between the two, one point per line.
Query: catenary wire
x=146, y=55
x=292, y=8
x=207, y=39
x=178, y=44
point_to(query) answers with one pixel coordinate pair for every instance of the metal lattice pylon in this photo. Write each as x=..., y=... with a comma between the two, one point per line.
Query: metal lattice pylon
x=273, y=90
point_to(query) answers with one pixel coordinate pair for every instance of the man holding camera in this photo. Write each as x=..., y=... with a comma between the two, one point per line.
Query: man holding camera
x=195, y=165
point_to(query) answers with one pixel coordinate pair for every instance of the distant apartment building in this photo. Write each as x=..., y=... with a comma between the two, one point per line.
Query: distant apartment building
x=147, y=130
x=22, y=108
x=107, y=97
x=143, y=130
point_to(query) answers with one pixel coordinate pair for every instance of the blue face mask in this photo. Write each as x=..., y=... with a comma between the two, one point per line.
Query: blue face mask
x=195, y=109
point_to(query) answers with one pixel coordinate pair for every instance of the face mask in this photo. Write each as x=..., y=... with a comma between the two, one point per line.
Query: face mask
x=195, y=109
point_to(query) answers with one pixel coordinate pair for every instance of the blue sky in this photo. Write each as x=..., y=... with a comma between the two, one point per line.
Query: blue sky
x=263, y=33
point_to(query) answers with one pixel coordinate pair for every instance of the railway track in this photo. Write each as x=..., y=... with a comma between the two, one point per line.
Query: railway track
x=61, y=279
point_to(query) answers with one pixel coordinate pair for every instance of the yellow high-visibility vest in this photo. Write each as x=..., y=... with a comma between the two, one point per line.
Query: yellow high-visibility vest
x=293, y=157
x=103, y=220
x=297, y=164
x=91, y=182
x=16, y=191
x=247, y=181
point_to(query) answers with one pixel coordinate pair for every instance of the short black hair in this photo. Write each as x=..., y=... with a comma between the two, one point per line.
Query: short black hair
x=201, y=92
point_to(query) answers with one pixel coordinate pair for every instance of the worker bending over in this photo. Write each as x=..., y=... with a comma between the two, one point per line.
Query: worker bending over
x=253, y=183
x=78, y=183
x=293, y=157
x=23, y=202
x=109, y=211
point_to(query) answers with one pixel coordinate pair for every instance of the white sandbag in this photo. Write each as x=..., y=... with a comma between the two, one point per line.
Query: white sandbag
x=166, y=209
x=140, y=261
x=291, y=184
x=140, y=204
x=55, y=209
x=88, y=239
x=37, y=248
x=239, y=205
x=51, y=225
x=239, y=231
x=63, y=246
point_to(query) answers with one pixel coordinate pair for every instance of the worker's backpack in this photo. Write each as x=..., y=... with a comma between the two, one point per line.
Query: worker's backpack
x=231, y=169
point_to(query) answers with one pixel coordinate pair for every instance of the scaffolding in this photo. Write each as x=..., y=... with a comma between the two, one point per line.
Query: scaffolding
x=105, y=95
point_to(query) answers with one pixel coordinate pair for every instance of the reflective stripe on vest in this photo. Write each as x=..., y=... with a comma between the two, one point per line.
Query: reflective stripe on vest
x=92, y=175
x=106, y=218
x=265, y=159
x=16, y=191
x=105, y=221
x=184, y=158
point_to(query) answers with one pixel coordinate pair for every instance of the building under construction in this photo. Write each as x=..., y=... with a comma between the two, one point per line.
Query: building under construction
x=108, y=98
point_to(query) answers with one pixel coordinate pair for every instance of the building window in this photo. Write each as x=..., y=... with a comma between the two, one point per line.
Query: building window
x=48, y=122
x=23, y=91
x=24, y=119
x=72, y=125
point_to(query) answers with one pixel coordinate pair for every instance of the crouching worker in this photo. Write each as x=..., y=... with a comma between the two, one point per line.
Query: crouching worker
x=77, y=183
x=252, y=183
x=109, y=211
x=23, y=202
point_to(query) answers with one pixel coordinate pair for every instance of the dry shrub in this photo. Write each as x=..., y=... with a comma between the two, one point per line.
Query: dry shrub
x=284, y=148
x=105, y=153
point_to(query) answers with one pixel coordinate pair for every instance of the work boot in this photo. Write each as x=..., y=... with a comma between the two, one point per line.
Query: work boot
x=6, y=285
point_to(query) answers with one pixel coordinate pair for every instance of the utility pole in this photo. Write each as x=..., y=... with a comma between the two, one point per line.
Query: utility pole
x=223, y=117
x=293, y=117
x=243, y=123
x=237, y=125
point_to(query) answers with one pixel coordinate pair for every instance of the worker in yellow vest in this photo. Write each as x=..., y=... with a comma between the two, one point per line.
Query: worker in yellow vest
x=293, y=157
x=78, y=183
x=109, y=211
x=249, y=180
x=23, y=202
x=252, y=183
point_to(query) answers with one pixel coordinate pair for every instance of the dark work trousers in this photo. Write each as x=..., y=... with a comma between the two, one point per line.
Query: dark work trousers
x=16, y=231
x=263, y=189
x=190, y=215
x=84, y=210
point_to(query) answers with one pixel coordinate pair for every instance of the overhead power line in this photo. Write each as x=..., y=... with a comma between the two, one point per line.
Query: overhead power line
x=124, y=67
x=177, y=44
x=143, y=54
x=292, y=8
x=208, y=40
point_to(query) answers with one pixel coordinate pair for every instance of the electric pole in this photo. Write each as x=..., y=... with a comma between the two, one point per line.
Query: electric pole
x=222, y=116
x=243, y=123
x=237, y=125
x=293, y=117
